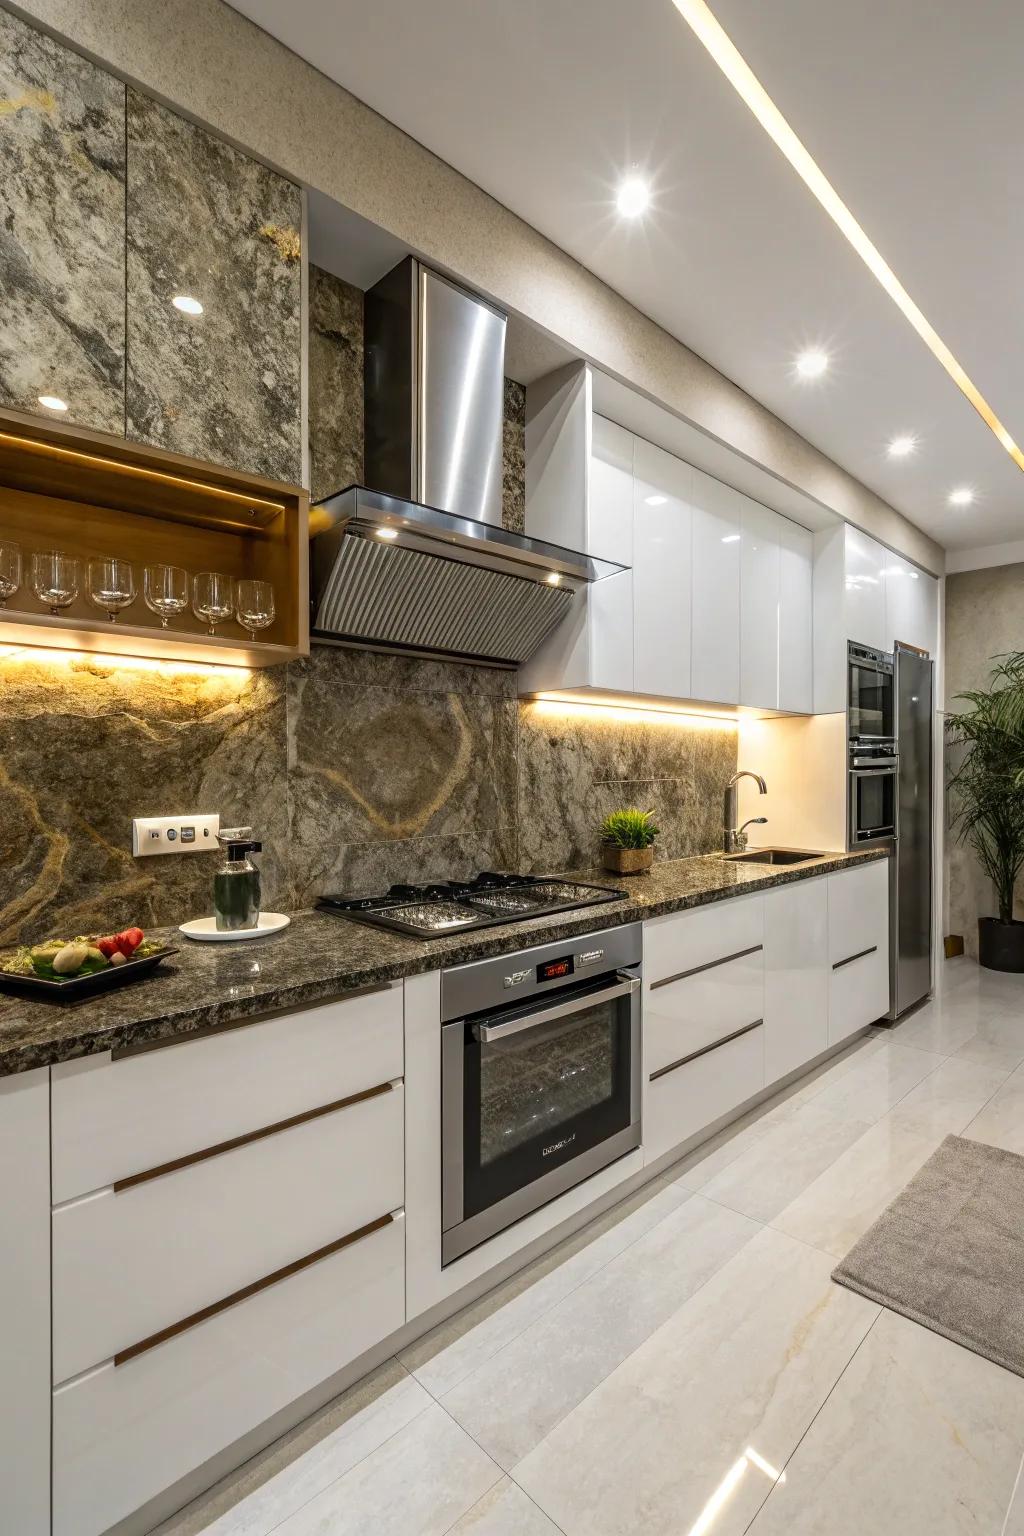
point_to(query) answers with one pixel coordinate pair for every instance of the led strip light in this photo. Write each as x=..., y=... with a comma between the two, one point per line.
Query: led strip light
x=741, y=77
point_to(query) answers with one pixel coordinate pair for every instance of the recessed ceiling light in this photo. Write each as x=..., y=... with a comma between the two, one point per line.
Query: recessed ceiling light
x=655, y=501
x=187, y=304
x=961, y=497
x=386, y=533
x=53, y=402
x=710, y=32
x=633, y=197
x=812, y=364
x=900, y=447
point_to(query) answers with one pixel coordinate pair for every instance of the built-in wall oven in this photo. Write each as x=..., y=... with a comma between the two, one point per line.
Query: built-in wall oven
x=872, y=799
x=540, y=1078
x=870, y=712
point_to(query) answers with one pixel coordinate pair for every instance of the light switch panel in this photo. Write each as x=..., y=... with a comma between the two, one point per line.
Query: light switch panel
x=174, y=834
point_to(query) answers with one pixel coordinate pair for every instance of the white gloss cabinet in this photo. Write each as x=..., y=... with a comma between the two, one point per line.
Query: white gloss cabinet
x=796, y=637
x=25, y=1303
x=610, y=499
x=796, y=975
x=865, y=589
x=716, y=591
x=911, y=606
x=858, y=901
x=760, y=598
x=662, y=572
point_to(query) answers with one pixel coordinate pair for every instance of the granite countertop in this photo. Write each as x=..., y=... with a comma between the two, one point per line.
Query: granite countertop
x=320, y=956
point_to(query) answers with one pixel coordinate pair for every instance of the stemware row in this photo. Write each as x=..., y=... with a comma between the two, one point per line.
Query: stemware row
x=56, y=579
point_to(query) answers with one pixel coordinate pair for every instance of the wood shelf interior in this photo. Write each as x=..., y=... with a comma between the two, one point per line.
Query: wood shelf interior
x=80, y=493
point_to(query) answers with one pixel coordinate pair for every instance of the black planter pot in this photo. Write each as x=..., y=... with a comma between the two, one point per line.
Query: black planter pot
x=1000, y=945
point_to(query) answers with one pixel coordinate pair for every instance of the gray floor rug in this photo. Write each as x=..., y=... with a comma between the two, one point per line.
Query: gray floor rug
x=949, y=1251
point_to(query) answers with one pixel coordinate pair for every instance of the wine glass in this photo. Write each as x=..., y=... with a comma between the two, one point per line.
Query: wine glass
x=212, y=598
x=166, y=591
x=254, y=605
x=111, y=586
x=10, y=570
x=55, y=579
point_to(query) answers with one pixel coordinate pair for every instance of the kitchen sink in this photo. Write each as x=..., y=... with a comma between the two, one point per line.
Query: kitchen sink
x=771, y=856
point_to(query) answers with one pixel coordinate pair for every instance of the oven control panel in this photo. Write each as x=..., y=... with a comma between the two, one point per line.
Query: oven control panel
x=483, y=984
x=555, y=970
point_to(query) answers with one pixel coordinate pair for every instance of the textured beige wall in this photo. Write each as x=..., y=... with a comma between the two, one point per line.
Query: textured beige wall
x=209, y=61
x=984, y=617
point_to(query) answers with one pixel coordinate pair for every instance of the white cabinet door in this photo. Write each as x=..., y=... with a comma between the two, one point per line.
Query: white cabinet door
x=716, y=591
x=759, y=605
x=610, y=507
x=858, y=940
x=864, y=602
x=610, y=616
x=796, y=976
x=911, y=606
x=925, y=606
x=662, y=567
x=687, y=1099
x=796, y=568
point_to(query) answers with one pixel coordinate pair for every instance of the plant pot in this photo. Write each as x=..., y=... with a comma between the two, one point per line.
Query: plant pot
x=627, y=861
x=1000, y=945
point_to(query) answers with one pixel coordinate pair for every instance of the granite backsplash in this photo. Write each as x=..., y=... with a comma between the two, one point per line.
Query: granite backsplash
x=356, y=769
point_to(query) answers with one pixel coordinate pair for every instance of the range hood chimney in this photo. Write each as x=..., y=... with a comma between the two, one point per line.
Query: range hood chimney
x=420, y=562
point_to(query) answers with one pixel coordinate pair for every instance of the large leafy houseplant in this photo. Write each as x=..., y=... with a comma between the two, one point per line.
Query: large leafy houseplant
x=987, y=797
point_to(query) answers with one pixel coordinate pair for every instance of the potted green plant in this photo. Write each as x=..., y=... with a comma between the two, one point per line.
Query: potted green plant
x=987, y=799
x=627, y=841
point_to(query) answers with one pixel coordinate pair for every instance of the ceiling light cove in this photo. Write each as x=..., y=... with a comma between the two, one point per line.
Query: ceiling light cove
x=902, y=447
x=709, y=31
x=187, y=304
x=633, y=197
x=961, y=497
x=812, y=364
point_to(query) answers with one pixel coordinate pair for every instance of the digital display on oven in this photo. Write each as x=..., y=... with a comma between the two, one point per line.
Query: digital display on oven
x=553, y=970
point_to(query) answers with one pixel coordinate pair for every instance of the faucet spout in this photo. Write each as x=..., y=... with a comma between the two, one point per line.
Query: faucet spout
x=735, y=837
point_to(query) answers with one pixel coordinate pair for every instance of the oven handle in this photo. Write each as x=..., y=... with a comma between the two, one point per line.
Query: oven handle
x=487, y=1033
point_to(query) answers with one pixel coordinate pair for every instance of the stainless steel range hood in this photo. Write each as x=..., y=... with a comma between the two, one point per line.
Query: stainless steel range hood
x=421, y=562
x=395, y=574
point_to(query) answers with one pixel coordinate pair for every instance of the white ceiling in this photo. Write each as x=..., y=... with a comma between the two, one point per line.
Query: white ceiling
x=912, y=110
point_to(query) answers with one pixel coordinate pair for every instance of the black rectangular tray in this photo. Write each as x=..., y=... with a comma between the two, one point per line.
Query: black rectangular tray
x=83, y=986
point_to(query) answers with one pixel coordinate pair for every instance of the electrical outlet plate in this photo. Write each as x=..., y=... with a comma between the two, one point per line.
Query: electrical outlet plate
x=174, y=834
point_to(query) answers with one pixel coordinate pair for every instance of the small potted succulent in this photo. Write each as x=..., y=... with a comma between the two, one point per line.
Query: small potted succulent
x=627, y=841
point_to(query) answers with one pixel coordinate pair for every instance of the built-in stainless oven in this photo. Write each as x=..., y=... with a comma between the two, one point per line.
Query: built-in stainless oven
x=873, y=797
x=870, y=700
x=540, y=1078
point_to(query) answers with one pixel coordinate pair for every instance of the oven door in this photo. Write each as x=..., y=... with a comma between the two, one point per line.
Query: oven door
x=873, y=804
x=869, y=698
x=535, y=1099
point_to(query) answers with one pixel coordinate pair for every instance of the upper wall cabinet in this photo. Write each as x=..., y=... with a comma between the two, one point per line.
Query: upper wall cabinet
x=208, y=223
x=662, y=571
x=864, y=593
x=62, y=230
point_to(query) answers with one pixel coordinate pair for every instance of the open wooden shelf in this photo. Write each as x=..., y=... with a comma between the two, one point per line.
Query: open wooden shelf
x=90, y=494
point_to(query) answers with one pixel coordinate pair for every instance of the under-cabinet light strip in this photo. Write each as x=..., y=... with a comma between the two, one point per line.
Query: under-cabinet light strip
x=39, y=445
x=709, y=31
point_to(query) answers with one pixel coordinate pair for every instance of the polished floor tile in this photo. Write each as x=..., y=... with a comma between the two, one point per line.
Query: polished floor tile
x=693, y=1426
x=1001, y=1121
x=870, y=1090
x=790, y=1155
x=513, y=1401
x=505, y=1511
x=919, y=1437
x=949, y=1098
x=418, y=1483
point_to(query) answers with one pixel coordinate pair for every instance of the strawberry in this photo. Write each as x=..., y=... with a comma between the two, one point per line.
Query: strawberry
x=128, y=941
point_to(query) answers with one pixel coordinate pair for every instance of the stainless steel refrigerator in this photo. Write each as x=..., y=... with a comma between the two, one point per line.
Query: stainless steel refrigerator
x=910, y=872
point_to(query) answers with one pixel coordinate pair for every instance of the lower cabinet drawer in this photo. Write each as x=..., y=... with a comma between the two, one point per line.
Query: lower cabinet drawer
x=685, y=1015
x=130, y=1262
x=685, y=1100
x=122, y=1434
x=858, y=993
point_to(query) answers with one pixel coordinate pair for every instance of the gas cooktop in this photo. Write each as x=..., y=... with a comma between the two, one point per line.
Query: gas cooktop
x=457, y=906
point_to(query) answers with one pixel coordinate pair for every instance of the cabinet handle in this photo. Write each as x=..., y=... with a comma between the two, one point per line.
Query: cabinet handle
x=134, y=1350
x=714, y=1046
x=858, y=956
x=709, y=965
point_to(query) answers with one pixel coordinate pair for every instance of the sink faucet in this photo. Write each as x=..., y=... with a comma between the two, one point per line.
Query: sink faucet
x=736, y=837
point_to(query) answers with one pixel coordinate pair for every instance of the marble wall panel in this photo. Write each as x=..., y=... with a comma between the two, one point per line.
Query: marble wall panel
x=86, y=745
x=206, y=221
x=577, y=764
x=513, y=458
x=398, y=770
x=62, y=229
x=335, y=384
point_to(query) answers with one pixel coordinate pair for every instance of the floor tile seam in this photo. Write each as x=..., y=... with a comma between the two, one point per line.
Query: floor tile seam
x=814, y=1418
x=643, y=1342
x=865, y=1127
x=995, y=1094
x=359, y=1460
x=591, y=1275
x=529, y=1497
x=501, y=1471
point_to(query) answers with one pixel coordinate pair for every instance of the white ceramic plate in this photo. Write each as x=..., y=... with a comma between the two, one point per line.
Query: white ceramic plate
x=205, y=928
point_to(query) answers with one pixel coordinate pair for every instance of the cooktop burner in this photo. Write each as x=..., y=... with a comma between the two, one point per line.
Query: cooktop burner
x=453, y=906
